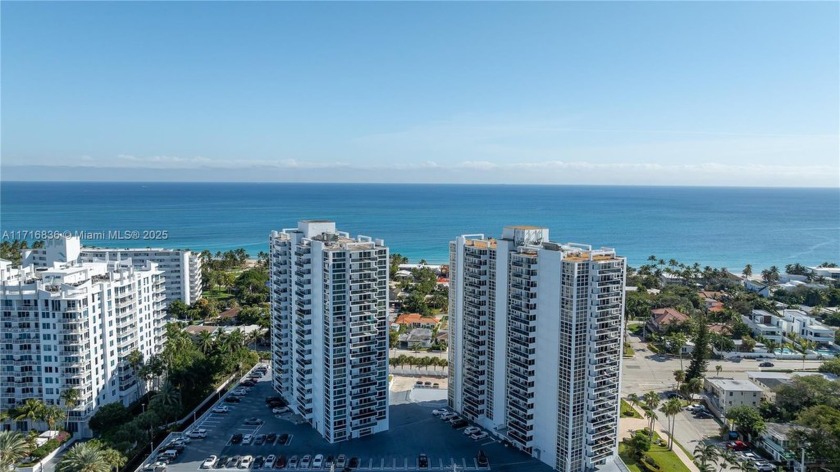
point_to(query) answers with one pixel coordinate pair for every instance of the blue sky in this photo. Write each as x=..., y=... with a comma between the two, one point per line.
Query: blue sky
x=658, y=93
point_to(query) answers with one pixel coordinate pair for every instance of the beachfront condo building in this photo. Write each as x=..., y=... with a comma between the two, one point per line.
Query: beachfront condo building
x=72, y=326
x=535, y=344
x=329, y=306
x=181, y=268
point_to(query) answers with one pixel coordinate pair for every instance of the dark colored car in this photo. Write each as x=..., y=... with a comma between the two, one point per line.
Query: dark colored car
x=481, y=459
x=460, y=423
x=703, y=415
x=236, y=438
x=283, y=439
x=232, y=399
x=766, y=364
x=354, y=462
x=259, y=440
x=221, y=462
x=423, y=461
x=281, y=462
x=248, y=383
x=271, y=438
x=232, y=462
x=328, y=462
x=253, y=421
x=258, y=462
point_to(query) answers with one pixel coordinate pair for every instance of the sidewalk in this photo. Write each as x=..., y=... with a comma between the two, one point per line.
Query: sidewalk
x=625, y=425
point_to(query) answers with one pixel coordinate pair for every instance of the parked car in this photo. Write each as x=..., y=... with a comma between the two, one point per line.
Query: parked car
x=340, y=461
x=233, y=462
x=273, y=399
x=245, y=462
x=304, y=461
x=236, y=438
x=328, y=462
x=280, y=410
x=232, y=399
x=318, y=461
x=199, y=433
x=209, y=462
x=271, y=438
x=448, y=416
x=423, y=461
x=481, y=459
x=459, y=423
x=293, y=462
x=736, y=445
x=269, y=461
x=283, y=439
x=247, y=383
x=354, y=462
x=259, y=439
x=440, y=411
x=766, y=364
x=479, y=435
x=471, y=430
x=258, y=462
x=239, y=392
x=247, y=439
x=253, y=421
x=703, y=415
x=221, y=409
x=281, y=462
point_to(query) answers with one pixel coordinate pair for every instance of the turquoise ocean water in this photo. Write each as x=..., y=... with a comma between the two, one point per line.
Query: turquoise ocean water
x=719, y=227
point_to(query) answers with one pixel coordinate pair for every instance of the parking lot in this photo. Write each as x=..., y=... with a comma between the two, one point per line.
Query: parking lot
x=413, y=431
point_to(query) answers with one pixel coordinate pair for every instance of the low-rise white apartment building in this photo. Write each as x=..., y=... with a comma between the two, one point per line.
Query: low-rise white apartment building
x=72, y=326
x=329, y=305
x=535, y=344
x=725, y=394
x=181, y=268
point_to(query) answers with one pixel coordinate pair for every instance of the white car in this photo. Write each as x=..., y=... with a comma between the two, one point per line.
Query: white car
x=304, y=463
x=479, y=435
x=269, y=462
x=440, y=411
x=448, y=416
x=247, y=439
x=246, y=462
x=281, y=410
x=318, y=461
x=220, y=409
x=471, y=430
x=239, y=392
x=209, y=462
x=197, y=433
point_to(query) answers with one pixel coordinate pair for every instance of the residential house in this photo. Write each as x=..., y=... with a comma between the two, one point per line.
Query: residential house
x=416, y=320
x=765, y=324
x=421, y=337
x=662, y=317
x=757, y=287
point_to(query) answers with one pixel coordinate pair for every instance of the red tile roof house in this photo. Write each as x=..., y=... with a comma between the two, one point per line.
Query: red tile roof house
x=415, y=320
x=661, y=317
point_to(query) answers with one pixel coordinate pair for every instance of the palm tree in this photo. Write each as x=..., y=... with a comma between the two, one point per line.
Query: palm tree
x=718, y=369
x=806, y=345
x=205, y=341
x=771, y=346
x=633, y=398
x=727, y=459
x=32, y=409
x=705, y=455
x=670, y=408
x=115, y=459
x=70, y=397
x=13, y=447
x=52, y=414
x=84, y=457
x=679, y=340
x=679, y=376
x=651, y=401
x=747, y=271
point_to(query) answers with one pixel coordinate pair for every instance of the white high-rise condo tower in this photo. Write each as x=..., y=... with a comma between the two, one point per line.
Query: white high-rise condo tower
x=536, y=343
x=329, y=311
x=73, y=325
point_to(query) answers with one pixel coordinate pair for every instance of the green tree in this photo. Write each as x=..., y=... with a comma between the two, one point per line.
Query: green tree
x=700, y=354
x=747, y=420
x=52, y=415
x=13, y=447
x=679, y=377
x=747, y=271
x=395, y=260
x=831, y=366
x=638, y=444
x=819, y=434
x=670, y=408
x=650, y=401
x=705, y=454
x=393, y=339
x=70, y=397
x=109, y=415
x=32, y=409
x=83, y=457
x=178, y=309
x=115, y=459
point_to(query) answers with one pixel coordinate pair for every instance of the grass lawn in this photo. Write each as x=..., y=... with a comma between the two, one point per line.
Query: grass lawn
x=217, y=294
x=627, y=411
x=628, y=351
x=636, y=329
x=667, y=460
